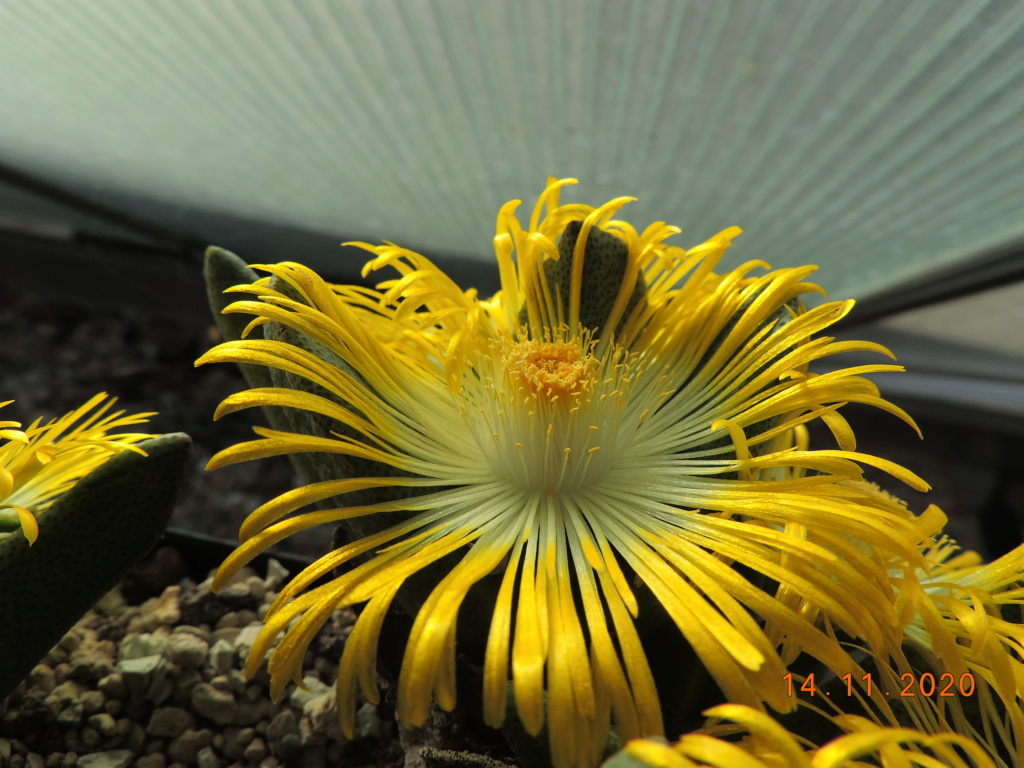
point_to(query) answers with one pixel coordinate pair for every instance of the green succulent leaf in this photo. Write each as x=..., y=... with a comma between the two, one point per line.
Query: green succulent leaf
x=89, y=538
x=222, y=270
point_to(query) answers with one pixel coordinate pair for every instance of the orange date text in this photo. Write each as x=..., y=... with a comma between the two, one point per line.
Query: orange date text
x=924, y=684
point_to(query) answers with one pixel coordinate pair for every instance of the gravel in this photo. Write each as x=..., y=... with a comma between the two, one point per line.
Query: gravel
x=160, y=685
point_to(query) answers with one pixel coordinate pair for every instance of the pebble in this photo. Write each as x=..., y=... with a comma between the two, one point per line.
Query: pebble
x=322, y=712
x=90, y=738
x=187, y=629
x=92, y=702
x=308, y=737
x=113, y=686
x=138, y=646
x=104, y=724
x=161, y=688
x=70, y=715
x=185, y=682
x=245, y=639
x=257, y=587
x=42, y=677
x=276, y=574
x=228, y=621
x=368, y=723
x=207, y=758
x=185, y=748
x=283, y=724
x=186, y=650
x=118, y=758
x=66, y=693
x=135, y=739
x=138, y=671
x=227, y=634
x=314, y=688
x=170, y=722
x=90, y=664
x=162, y=611
x=238, y=681
x=62, y=672
x=255, y=751
x=251, y=712
x=230, y=746
x=220, y=656
x=221, y=683
x=111, y=604
x=238, y=596
x=219, y=706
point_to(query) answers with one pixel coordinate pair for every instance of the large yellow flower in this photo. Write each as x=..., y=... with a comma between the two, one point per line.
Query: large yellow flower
x=616, y=430
x=769, y=745
x=38, y=464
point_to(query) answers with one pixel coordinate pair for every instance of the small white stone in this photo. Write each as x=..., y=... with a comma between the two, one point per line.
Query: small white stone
x=276, y=574
x=140, y=673
x=246, y=638
x=298, y=698
x=207, y=758
x=139, y=646
x=368, y=724
x=220, y=656
x=322, y=712
x=117, y=758
x=186, y=650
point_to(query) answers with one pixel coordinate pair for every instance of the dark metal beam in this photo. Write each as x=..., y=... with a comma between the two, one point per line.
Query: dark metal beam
x=992, y=269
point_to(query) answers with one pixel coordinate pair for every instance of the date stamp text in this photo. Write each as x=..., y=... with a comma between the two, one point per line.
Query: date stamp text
x=925, y=684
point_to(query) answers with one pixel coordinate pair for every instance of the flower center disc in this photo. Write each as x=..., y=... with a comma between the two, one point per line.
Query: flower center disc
x=551, y=370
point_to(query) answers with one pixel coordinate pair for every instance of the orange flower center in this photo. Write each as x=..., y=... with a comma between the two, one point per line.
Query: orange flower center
x=552, y=370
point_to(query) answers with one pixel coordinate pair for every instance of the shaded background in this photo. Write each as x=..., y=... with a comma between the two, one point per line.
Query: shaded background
x=879, y=140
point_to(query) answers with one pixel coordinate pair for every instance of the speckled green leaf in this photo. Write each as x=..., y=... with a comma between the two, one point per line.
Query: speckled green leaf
x=88, y=540
x=222, y=270
x=605, y=258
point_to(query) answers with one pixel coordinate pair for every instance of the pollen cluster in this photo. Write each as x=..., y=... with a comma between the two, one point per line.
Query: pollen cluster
x=553, y=371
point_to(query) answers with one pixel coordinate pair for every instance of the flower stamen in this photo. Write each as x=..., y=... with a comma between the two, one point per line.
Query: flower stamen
x=556, y=370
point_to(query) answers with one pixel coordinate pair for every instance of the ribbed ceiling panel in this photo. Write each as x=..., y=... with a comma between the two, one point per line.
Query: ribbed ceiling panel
x=877, y=139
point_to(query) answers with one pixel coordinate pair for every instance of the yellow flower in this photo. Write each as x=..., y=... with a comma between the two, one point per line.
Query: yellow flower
x=769, y=745
x=955, y=653
x=964, y=617
x=616, y=428
x=38, y=464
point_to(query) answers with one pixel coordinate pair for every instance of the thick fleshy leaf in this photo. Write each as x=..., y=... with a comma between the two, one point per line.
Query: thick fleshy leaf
x=89, y=538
